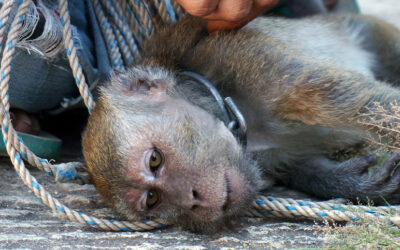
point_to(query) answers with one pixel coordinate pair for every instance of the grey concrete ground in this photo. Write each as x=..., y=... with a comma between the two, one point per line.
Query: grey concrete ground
x=26, y=223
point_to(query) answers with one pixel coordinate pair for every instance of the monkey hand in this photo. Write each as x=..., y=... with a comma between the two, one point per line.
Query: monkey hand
x=351, y=179
x=362, y=183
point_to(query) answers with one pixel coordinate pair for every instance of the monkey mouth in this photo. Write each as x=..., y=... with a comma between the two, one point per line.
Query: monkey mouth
x=228, y=193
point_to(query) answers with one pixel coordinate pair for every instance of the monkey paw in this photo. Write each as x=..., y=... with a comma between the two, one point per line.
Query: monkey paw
x=380, y=186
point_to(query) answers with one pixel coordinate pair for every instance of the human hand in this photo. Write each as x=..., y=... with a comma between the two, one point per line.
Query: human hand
x=226, y=14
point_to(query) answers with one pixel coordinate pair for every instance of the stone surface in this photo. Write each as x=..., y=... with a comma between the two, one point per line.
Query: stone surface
x=25, y=222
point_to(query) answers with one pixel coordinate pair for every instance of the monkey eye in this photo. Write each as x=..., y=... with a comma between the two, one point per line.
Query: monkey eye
x=155, y=159
x=152, y=198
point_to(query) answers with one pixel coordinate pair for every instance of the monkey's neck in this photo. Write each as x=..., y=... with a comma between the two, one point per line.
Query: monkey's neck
x=169, y=46
x=199, y=95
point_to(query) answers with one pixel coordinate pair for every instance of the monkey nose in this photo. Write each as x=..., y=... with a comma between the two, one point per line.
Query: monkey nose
x=186, y=195
x=189, y=200
x=196, y=201
x=193, y=202
x=198, y=204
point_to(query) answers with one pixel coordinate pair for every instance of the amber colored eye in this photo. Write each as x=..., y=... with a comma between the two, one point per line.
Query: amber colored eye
x=155, y=160
x=152, y=198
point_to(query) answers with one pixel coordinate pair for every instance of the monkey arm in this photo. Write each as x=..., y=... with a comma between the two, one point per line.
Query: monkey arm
x=350, y=179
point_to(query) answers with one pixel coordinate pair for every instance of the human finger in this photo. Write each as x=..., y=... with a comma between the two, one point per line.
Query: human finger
x=231, y=10
x=199, y=8
x=258, y=7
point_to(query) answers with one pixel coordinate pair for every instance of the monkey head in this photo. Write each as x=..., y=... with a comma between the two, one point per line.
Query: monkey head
x=152, y=153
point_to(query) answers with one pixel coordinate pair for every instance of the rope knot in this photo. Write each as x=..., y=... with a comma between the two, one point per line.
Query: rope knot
x=66, y=172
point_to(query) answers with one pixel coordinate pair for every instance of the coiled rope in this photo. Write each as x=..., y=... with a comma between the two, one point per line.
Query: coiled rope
x=125, y=26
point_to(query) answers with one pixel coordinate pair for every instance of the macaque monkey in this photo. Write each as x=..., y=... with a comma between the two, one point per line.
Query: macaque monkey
x=157, y=146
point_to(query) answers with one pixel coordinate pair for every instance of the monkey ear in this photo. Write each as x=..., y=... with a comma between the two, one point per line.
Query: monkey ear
x=145, y=86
